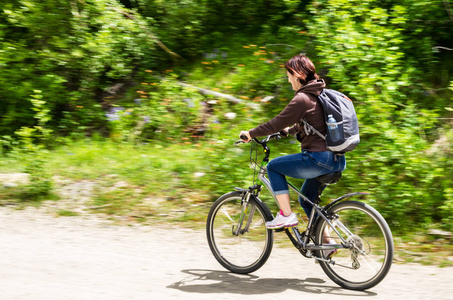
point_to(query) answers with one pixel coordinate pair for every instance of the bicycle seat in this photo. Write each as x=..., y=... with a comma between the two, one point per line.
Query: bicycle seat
x=329, y=178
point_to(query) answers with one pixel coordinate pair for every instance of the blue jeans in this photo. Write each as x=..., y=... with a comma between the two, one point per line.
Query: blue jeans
x=305, y=165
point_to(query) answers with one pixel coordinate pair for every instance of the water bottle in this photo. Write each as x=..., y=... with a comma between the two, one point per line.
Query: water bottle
x=332, y=127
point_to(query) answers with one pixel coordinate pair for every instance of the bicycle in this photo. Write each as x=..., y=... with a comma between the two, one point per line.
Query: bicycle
x=240, y=242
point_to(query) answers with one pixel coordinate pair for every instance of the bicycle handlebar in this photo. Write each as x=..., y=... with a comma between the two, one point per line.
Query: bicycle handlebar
x=263, y=142
x=274, y=136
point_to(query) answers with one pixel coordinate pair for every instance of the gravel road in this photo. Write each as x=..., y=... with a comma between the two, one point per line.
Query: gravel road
x=44, y=257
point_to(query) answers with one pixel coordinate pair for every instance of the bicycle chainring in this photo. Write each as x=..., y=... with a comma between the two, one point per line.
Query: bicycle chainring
x=305, y=252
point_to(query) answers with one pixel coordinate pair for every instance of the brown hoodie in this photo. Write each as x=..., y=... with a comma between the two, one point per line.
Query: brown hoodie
x=303, y=105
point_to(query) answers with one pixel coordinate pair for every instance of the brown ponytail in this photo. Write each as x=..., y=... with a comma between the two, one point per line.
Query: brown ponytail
x=302, y=67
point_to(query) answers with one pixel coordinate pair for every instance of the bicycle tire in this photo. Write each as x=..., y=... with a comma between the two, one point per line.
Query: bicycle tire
x=369, y=260
x=244, y=253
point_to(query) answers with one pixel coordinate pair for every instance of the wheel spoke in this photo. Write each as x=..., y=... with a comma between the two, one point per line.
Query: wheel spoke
x=371, y=263
x=223, y=210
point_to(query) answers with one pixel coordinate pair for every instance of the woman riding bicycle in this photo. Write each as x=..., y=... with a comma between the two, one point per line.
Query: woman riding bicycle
x=314, y=160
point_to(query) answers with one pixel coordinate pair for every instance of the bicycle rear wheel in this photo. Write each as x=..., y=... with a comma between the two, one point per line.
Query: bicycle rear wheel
x=370, y=255
x=244, y=250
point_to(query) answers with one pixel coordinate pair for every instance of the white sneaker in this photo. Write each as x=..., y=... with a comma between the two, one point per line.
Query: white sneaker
x=280, y=221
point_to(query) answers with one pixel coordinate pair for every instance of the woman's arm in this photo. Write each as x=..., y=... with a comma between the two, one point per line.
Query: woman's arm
x=290, y=115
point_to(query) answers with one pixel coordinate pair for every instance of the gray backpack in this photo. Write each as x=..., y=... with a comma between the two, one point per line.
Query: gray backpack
x=341, y=119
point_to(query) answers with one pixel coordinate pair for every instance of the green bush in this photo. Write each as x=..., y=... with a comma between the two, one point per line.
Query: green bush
x=73, y=52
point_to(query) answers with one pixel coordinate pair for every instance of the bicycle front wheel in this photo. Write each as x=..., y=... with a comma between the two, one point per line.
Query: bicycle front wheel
x=368, y=255
x=237, y=234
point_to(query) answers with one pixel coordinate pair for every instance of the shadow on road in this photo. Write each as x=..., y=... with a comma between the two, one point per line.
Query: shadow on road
x=210, y=281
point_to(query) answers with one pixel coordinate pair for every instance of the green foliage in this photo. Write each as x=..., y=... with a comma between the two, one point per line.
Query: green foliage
x=197, y=26
x=71, y=51
x=40, y=180
x=39, y=185
x=166, y=110
x=33, y=138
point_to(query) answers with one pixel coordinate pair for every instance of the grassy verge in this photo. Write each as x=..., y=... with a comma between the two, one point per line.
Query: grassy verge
x=143, y=183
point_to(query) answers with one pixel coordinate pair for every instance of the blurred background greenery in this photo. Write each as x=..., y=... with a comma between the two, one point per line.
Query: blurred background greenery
x=91, y=88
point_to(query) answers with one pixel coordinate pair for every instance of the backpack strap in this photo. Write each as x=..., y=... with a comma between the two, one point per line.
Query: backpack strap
x=310, y=129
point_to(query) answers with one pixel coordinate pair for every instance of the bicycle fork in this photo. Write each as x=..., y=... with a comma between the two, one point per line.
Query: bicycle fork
x=244, y=207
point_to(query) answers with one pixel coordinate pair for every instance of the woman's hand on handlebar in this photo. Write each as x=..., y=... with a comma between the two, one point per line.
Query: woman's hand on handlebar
x=284, y=132
x=245, y=136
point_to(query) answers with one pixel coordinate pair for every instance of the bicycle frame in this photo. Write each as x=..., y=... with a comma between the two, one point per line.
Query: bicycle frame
x=316, y=209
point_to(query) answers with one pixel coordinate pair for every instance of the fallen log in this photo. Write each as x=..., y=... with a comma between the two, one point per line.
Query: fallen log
x=231, y=98
x=212, y=93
